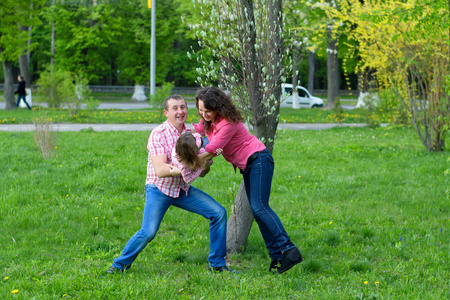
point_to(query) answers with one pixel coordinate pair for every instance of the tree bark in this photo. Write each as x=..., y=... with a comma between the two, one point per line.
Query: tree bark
x=239, y=223
x=24, y=64
x=332, y=71
x=312, y=69
x=9, y=86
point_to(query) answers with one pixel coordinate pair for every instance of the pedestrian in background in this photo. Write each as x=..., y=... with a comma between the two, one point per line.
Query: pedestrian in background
x=21, y=93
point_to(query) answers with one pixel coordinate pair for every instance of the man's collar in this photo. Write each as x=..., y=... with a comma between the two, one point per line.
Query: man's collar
x=173, y=128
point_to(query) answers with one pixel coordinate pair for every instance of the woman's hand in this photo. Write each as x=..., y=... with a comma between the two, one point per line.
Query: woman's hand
x=204, y=158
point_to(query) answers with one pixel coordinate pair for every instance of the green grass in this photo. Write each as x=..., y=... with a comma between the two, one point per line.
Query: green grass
x=152, y=115
x=369, y=210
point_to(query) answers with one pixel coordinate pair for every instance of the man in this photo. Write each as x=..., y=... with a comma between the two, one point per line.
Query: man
x=21, y=92
x=163, y=189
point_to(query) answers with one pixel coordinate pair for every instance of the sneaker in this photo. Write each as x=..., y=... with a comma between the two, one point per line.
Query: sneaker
x=274, y=265
x=291, y=257
x=113, y=270
x=221, y=269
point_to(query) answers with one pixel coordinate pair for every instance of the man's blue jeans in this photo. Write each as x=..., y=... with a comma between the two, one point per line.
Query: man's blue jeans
x=156, y=205
x=24, y=98
x=258, y=180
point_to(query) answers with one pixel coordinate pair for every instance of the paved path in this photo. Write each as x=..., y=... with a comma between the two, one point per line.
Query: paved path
x=146, y=127
x=150, y=127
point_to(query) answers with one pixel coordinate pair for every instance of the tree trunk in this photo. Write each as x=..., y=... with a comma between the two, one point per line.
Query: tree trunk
x=239, y=223
x=24, y=65
x=9, y=86
x=332, y=71
x=312, y=69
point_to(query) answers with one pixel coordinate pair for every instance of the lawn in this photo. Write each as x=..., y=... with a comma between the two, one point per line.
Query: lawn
x=368, y=208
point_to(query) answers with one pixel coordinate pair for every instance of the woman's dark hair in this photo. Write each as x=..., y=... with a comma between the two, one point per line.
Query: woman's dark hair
x=215, y=99
x=186, y=149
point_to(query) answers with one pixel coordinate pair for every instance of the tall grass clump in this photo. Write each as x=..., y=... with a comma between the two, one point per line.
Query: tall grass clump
x=44, y=136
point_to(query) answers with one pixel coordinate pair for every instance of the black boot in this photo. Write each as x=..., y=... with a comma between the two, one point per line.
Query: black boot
x=290, y=259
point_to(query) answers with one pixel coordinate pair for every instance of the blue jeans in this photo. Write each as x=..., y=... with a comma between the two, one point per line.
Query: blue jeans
x=24, y=98
x=258, y=180
x=156, y=205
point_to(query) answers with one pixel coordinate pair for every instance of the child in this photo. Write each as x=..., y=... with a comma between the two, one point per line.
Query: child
x=184, y=156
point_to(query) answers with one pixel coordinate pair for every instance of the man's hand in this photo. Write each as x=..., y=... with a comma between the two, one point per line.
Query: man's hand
x=174, y=171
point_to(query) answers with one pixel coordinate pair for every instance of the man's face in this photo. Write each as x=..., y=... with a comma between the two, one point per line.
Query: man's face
x=176, y=112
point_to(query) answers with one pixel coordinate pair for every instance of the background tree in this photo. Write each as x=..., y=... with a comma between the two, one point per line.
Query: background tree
x=13, y=40
x=246, y=39
x=407, y=43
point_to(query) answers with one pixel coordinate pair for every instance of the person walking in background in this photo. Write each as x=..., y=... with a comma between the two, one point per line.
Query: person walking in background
x=21, y=93
x=164, y=188
x=222, y=123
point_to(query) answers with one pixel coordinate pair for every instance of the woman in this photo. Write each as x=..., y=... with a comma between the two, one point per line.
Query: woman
x=222, y=124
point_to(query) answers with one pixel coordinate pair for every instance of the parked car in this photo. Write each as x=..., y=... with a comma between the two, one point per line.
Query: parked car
x=305, y=99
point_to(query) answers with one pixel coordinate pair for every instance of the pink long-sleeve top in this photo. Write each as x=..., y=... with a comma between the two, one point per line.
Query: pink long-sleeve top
x=236, y=142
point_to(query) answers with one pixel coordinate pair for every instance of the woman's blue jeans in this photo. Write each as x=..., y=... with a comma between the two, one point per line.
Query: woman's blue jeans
x=258, y=180
x=156, y=205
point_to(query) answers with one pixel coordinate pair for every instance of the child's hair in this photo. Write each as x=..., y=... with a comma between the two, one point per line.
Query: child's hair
x=187, y=147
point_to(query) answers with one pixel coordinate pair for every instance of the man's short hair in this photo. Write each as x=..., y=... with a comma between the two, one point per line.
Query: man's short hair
x=174, y=97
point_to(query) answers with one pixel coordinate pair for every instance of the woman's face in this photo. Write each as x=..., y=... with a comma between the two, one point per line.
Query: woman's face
x=208, y=115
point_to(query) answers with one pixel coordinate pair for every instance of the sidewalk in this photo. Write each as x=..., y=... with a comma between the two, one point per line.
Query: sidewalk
x=150, y=127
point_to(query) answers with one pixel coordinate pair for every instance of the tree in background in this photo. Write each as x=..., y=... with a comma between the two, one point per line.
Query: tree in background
x=407, y=43
x=245, y=38
x=295, y=18
x=13, y=40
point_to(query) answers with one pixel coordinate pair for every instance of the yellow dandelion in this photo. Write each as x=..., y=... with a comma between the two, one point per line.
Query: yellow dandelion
x=60, y=166
x=366, y=282
x=15, y=291
x=138, y=208
x=6, y=278
x=64, y=295
x=96, y=218
x=330, y=223
x=99, y=204
x=376, y=282
x=56, y=147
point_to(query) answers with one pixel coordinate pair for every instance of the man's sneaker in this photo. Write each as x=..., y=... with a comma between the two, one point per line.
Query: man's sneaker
x=274, y=265
x=221, y=269
x=290, y=259
x=113, y=270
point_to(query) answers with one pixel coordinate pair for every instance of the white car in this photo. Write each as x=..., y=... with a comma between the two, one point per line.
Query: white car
x=305, y=99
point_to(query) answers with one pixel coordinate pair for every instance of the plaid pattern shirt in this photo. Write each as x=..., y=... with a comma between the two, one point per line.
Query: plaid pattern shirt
x=161, y=141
